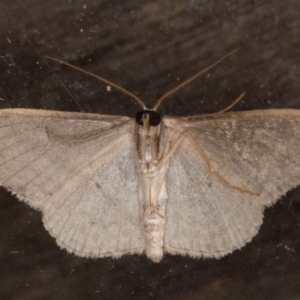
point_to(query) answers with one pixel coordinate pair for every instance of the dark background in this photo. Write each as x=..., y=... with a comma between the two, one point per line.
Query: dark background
x=148, y=47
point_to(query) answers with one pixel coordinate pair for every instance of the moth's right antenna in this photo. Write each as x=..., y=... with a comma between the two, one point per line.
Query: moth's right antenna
x=191, y=79
x=137, y=99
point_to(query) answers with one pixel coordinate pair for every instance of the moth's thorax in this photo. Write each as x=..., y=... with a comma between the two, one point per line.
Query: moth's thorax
x=151, y=144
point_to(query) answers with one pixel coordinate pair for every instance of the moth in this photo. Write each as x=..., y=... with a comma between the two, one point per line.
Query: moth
x=112, y=185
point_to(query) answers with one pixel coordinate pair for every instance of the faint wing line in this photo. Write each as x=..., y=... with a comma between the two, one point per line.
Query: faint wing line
x=62, y=204
x=89, y=136
x=77, y=169
x=70, y=215
x=20, y=170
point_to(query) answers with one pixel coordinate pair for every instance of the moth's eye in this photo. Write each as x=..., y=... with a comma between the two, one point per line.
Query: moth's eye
x=154, y=117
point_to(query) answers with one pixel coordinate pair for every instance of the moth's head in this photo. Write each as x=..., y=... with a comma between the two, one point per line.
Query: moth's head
x=148, y=118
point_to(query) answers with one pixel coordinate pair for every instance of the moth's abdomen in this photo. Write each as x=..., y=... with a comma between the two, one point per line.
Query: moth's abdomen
x=154, y=228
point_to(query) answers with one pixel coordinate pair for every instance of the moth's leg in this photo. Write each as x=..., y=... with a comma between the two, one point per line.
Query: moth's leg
x=166, y=157
x=219, y=112
x=174, y=148
x=86, y=137
x=162, y=142
x=231, y=105
x=211, y=169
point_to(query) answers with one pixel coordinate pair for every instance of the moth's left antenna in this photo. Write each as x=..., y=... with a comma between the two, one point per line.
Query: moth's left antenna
x=191, y=79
